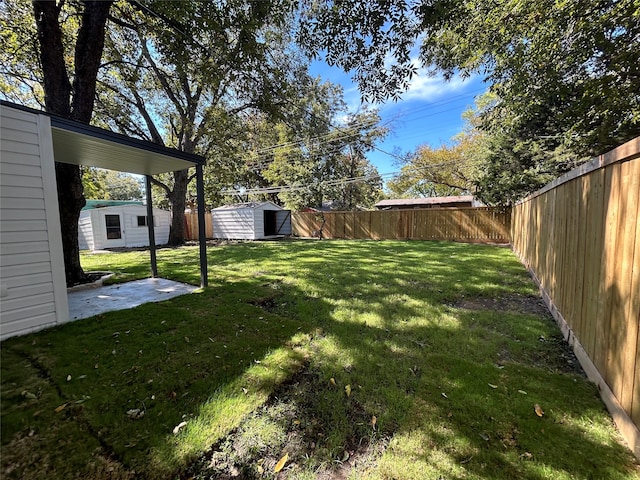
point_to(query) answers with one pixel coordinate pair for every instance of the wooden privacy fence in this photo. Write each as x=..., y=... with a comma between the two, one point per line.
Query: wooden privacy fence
x=478, y=225
x=191, y=227
x=580, y=238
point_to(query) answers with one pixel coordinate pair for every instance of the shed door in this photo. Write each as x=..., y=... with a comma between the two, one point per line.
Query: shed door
x=270, y=227
x=114, y=235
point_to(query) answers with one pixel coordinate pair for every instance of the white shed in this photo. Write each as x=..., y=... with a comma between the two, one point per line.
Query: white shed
x=33, y=290
x=251, y=221
x=121, y=226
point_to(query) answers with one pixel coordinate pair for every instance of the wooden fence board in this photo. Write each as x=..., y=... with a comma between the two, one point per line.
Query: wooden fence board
x=628, y=258
x=191, y=231
x=593, y=276
x=482, y=224
x=580, y=236
x=609, y=286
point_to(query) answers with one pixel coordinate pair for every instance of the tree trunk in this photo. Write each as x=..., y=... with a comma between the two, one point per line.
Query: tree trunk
x=70, y=196
x=58, y=100
x=178, y=199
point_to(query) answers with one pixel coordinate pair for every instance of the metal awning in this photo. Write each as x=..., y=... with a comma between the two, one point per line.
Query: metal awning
x=80, y=144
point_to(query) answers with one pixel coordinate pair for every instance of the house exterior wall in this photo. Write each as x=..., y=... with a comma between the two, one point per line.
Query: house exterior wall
x=234, y=224
x=132, y=234
x=32, y=282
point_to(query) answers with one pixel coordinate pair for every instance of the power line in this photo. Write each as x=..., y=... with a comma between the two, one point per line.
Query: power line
x=332, y=183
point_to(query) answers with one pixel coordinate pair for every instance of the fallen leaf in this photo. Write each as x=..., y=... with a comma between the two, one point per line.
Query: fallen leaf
x=374, y=420
x=538, y=410
x=260, y=469
x=281, y=463
x=60, y=408
x=484, y=436
x=522, y=392
x=347, y=389
x=345, y=456
x=492, y=385
x=332, y=381
x=135, y=413
x=444, y=395
x=296, y=422
x=179, y=427
x=28, y=395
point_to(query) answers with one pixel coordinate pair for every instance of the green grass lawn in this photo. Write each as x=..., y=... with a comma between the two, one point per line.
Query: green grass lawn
x=327, y=359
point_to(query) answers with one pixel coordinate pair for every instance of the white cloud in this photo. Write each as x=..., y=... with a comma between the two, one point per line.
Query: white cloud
x=428, y=88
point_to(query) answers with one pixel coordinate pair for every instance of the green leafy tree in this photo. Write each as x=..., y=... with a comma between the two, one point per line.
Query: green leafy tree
x=51, y=55
x=323, y=161
x=447, y=170
x=101, y=184
x=193, y=99
x=565, y=75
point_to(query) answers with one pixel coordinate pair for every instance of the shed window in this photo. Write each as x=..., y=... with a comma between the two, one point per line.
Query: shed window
x=142, y=221
x=113, y=227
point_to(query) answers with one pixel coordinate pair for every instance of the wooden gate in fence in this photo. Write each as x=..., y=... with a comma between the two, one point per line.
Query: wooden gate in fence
x=475, y=225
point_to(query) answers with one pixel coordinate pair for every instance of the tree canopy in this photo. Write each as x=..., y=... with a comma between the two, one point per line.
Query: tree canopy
x=565, y=75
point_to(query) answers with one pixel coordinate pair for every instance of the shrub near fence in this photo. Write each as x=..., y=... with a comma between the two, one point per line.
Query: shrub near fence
x=580, y=238
x=476, y=225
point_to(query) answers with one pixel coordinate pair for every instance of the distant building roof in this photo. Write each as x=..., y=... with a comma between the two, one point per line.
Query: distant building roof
x=425, y=202
x=91, y=204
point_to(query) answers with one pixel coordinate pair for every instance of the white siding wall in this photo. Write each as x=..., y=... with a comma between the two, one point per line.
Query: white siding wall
x=32, y=282
x=85, y=231
x=258, y=223
x=133, y=235
x=234, y=224
x=99, y=229
x=136, y=236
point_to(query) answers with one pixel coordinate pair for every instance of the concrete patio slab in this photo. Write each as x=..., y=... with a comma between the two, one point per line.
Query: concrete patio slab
x=94, y=301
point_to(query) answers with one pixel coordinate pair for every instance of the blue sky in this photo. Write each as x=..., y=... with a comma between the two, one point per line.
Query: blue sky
x=430, y=112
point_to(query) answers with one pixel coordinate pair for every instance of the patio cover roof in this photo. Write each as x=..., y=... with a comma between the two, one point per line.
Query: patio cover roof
x=80, y=144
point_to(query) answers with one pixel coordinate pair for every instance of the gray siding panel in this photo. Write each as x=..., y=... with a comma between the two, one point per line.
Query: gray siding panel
x=16, y=248
x=234, y=224
x=20, y=181
x=20, y=192
x=85, y=232
x=12, y=203
x=30, y=251
x=258, y=224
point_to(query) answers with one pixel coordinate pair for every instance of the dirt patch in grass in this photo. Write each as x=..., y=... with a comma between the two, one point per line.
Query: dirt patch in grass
x=268, y=304
x=553, y=352
x=527, y=304
x=290, y=424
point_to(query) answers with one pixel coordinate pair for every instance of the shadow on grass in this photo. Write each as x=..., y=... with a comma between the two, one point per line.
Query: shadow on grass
x=452, y=388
